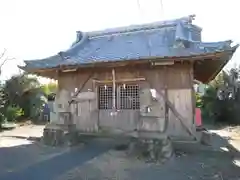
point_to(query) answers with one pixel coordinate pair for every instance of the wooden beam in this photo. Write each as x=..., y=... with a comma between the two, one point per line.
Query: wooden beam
x=119, y=80
x=195, y=81
x=81, y=88
x=69, y=70
x=163, y=63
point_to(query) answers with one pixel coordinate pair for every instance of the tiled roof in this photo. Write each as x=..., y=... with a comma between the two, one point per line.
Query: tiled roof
x=173, y=38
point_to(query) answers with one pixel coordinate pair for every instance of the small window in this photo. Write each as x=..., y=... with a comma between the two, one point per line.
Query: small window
x=105, y=97
x=129, y=97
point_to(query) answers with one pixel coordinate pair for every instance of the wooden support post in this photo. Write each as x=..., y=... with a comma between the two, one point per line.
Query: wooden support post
x=192, y=81
x=166, y=96
x=114, y=89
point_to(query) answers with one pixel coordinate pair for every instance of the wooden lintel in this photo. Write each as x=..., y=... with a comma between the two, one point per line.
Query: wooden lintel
x=119, y=80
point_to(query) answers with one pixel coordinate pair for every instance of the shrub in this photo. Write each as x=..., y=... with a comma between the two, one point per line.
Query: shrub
x=221, y=101
x=12, y=113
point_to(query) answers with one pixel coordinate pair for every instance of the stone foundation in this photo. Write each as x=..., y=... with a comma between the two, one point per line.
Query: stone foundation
x=53, y=137
x=206, y=138
x=56, y=135
x=152, y=149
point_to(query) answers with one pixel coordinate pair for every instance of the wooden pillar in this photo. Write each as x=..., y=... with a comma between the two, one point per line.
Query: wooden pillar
x=166, y=96
x=193, y=93
x=114, y=89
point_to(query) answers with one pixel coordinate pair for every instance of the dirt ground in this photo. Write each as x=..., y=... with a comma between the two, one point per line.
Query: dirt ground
x=20, y=150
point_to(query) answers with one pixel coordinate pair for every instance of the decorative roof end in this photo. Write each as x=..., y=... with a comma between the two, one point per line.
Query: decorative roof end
x=183, y=36
x=78, y=38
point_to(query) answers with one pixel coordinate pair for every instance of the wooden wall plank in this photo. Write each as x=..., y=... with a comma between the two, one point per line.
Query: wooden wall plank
x=182, y=100
x=176, y=79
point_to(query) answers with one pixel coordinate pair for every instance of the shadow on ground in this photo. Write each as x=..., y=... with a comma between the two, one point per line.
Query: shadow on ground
x=30, y=138
x=216, y=162
x=219, y=161
x=39, y=162
x=36, y=161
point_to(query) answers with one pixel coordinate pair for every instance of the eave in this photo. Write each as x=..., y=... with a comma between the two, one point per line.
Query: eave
x=206, y=66
x=206, y=69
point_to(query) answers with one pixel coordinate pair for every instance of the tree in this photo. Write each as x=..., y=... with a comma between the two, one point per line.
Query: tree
x=2, y=104
x=49, y=88
x=221, y=101
x=18, y=85
x=26, y=93
x=3, y=59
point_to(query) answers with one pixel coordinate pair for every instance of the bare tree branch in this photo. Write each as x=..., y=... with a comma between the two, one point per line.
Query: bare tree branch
x=5, y=59
x=3, y=53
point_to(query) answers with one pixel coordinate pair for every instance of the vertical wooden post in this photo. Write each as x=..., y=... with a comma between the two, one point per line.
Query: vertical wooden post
x=56, y=100
x=193, y=93
x=166, y=96
x=114, y=89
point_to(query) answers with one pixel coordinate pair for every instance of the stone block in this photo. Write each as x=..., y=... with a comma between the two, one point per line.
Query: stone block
x=53, y=137
x=206, y=138
x=152, y=149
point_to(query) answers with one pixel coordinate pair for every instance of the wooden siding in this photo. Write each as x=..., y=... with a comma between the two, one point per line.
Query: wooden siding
x=182, y=100
x=124, y=120
x=175, y=77
x=175, y=81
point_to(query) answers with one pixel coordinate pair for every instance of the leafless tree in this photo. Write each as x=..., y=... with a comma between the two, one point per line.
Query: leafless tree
x=3, y=59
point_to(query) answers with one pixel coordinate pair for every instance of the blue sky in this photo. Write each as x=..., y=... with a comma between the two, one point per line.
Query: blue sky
x=33, y=29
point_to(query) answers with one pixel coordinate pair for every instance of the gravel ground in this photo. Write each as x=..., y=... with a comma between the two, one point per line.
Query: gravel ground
x=22, y=156
x=216, y=163
x=117, y=165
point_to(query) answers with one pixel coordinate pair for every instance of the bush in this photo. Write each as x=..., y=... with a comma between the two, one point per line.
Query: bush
x=221, y=101
x=1, y=120
x=12, y=113
x=198, y=100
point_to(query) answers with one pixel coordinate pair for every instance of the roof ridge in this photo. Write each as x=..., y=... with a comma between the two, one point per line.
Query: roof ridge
x=140, y=27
